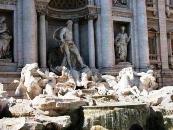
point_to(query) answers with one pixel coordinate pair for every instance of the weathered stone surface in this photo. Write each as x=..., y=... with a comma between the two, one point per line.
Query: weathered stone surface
x=98, y=127
x=161, y=96
x=22, y=108
x=61, y=121
x=53, y=106
x=35, y=123
x=115, y=117
x=12, y=123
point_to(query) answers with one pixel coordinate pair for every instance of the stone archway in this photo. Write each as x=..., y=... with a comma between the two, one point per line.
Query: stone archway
x=136, y=127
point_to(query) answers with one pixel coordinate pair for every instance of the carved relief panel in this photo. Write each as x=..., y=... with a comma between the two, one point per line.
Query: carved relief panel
x=68, y=4
x=120, y=3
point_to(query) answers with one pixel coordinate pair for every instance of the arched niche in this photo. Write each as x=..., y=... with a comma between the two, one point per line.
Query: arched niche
x=59, y=11
x=154, y=47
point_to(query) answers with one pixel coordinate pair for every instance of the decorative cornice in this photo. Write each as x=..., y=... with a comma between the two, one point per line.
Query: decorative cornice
x=73, y=13
x=41, y=6
x=8, y=2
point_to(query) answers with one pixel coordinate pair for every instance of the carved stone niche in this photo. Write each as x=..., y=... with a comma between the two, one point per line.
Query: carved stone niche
x=6, y=36
x=118, y=50
x=7, y=42
x=154, y=50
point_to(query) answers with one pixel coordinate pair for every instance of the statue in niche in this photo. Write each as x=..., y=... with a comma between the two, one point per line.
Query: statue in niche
x=122, y=40
x=65, y=39
x=5, y=39
x=122, y=2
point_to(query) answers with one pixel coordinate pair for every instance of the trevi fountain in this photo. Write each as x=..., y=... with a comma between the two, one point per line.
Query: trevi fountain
x=73, y=80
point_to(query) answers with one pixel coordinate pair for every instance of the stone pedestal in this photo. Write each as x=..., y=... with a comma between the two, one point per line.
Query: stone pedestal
x=115, y=70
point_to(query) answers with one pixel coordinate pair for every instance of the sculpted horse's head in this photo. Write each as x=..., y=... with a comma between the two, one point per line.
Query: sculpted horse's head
x=126, y=72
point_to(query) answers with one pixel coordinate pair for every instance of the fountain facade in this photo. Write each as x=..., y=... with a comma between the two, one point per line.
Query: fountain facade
x=85, y=64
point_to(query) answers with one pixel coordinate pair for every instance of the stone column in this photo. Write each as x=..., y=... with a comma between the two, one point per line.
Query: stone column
x=163, y=34
x=98, y=42
x=42, y=40
x=29, y=31
x=19, y=35
x=98, y=38
x=108, y=53
x=91, y=44
x=134, y=37
x=76, y=34
x=142, y=31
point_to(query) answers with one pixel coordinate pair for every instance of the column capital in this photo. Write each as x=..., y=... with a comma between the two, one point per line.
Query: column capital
x=42, y=12
x=75, y=20
x=41, y=6
x=91, y=16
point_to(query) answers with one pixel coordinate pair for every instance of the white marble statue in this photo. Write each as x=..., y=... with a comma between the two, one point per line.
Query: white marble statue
x=124, y=85
x=147, y=80
x=31, y=81
x=67, y=45
x=121, y=42
x=5, y=38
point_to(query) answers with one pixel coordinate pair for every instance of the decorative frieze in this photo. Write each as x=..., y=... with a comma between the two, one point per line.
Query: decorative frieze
x=69, y=4
x=8, y=2
x=122, y=13
x=72, y=14
x=120, y=3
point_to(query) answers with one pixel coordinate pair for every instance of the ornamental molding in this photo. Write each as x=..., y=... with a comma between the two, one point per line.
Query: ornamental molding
x=8, y=2
x=85, y=12
x=122, y=13
x=41, y=6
